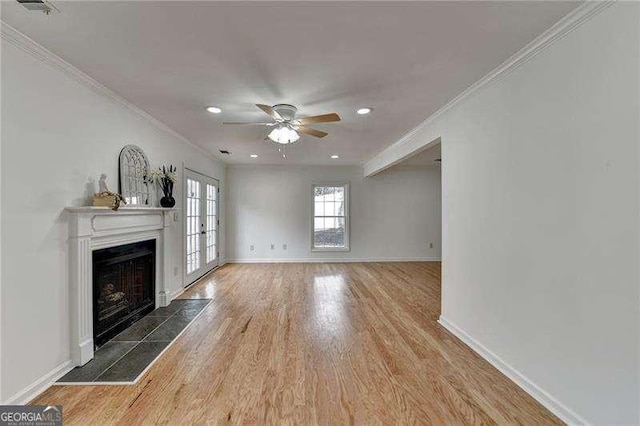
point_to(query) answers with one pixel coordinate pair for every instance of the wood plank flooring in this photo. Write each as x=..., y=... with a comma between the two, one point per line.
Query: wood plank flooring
x=312, y=344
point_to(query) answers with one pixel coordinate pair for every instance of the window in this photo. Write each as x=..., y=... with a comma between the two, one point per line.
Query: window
x=330, y=217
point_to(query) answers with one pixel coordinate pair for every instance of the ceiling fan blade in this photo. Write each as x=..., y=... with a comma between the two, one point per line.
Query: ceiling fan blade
x=325, y=118
x=270, y=111
x=247, y=123
x=312, y=132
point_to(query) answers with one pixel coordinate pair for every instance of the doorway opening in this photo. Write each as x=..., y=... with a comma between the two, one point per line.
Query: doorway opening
x=428, y=161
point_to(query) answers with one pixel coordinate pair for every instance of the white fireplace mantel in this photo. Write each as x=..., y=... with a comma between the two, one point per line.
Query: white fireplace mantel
x=94, y=228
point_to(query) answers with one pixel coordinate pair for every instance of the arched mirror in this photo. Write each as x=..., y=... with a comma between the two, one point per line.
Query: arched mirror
x=133, y=167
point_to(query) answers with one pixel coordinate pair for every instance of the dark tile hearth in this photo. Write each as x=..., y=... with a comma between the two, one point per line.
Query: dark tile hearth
x=133, y=363
x=128, y=354
x=168, y=330
x=139, y=330
x=104, y=358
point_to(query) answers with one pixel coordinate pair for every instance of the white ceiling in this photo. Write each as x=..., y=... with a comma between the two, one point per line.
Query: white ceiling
x=404, y=59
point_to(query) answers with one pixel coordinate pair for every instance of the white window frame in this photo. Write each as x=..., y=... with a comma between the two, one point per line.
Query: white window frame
x=347, y=213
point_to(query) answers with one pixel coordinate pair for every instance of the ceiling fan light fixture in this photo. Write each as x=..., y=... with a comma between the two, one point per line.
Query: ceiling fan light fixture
x=284, y=135
x=335, y=156
x=364, y=111
x=214, y=110
x=254, y=155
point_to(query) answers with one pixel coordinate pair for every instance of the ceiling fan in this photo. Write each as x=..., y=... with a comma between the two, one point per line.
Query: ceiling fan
x=287, y=127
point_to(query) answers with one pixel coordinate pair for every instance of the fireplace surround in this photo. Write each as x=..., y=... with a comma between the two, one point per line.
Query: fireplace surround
x=95, y=228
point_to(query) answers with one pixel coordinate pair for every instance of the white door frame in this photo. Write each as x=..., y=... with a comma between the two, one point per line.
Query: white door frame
x=206, y=268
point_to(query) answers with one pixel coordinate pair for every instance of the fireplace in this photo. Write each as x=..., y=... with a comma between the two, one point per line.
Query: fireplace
x=123, y=287
x=92, y=229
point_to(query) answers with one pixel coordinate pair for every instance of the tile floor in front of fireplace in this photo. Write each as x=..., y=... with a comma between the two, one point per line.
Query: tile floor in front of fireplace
x=126, y=356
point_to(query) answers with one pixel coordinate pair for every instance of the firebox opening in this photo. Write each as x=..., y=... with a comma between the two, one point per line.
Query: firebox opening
x=123, y=287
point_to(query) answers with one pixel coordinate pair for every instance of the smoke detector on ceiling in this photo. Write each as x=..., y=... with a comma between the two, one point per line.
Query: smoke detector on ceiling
x=39, y=5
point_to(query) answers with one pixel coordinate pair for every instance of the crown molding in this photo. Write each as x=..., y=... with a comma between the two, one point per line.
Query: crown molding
x=35, y=49
x=564, y=26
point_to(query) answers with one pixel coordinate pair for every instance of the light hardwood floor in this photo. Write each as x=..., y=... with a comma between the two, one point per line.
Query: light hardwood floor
x=312, y=344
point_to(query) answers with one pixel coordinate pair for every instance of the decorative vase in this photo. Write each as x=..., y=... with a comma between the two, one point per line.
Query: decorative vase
x=167, y=201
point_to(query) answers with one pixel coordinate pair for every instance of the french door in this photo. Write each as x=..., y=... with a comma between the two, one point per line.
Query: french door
x=201, y=225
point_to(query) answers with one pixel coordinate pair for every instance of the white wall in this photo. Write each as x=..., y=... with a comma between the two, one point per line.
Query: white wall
x=541, y=219
x=1, y=226
x=56, y=134
x=394, y=215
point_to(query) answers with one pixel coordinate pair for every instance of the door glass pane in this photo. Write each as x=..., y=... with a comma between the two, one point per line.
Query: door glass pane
x=193, y=225
x=211, y=223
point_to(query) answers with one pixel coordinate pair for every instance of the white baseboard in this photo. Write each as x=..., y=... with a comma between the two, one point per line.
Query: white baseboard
x=334, y=260
x=552, y=404
x=36, y=388
x=177, y=293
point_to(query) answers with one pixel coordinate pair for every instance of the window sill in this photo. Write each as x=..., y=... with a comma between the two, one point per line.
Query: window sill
x=329, y=249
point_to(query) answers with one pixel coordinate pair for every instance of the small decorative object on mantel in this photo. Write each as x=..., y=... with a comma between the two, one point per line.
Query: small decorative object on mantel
x=106, y=198
x=166, y=177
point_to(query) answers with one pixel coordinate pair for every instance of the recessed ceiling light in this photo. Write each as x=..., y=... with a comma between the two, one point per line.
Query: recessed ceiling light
x=334, y=156
x=214, y=110
x=363, y=111
x=254, y=155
